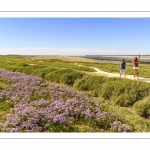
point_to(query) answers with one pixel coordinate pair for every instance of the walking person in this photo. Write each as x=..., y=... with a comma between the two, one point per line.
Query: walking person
x=135, y=67
x=123, y=68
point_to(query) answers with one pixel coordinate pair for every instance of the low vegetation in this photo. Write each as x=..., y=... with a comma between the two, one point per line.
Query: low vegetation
x=123, y=92
x=36, y=106
x=122, y=100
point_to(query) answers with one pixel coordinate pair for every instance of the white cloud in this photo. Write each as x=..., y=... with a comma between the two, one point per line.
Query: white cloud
x=53, y=51
x=62, y=51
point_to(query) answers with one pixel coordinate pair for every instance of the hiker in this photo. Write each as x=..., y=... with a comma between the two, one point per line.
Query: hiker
x=135, y=67
x=123, y=68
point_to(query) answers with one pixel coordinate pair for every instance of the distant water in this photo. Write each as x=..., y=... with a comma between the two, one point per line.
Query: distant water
x=113, y=59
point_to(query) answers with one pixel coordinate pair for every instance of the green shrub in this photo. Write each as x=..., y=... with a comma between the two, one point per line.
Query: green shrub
x=125, y=100
x=127, y=92
x=32, y=70
x=94, y=92
x=107, y=91
x=64, y=76
x=24, y=64
x=43, y=72
x=6, y=106
x=123, y=92
x=142, y=107
x=1, y=88
x=20, y=69
x=13, y=69
x=82, y=68
x=90, y=83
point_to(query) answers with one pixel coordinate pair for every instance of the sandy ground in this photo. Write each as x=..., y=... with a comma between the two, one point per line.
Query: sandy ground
x=100, y=72
x=66, y=58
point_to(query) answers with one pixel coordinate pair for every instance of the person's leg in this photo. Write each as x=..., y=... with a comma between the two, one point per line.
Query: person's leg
x=125, y=74
x=134, y=73
x=137, y=74
x=120, y=73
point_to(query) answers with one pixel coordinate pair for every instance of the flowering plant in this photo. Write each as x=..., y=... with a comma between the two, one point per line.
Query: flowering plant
x=45, y=107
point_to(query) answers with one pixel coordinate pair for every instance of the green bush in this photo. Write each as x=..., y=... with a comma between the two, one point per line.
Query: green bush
x=43, y=72
x=123, y=92
x=32, y=70
x=24, y=64
x=142, y=107
x=1, y=88
x=90, y=83
x=82, y=68
x=127, y=92
x=107, y=91
x=125, y=100
x=64, y=76
x=20, y=69
x=13, y=69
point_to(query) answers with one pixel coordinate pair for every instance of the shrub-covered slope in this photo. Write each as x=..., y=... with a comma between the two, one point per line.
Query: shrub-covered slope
x=42, y=107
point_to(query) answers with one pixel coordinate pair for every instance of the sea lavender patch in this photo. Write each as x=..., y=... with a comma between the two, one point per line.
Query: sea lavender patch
x=46, y=107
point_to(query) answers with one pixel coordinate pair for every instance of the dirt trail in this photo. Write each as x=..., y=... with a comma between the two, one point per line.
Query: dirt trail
x=108, y=74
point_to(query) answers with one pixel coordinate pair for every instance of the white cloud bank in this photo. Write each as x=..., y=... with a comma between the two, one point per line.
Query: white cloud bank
x=59, y=51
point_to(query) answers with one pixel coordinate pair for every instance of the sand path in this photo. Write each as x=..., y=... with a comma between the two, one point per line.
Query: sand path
x=108, y=74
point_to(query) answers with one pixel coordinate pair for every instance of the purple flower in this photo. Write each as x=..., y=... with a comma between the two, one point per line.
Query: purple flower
x=41, y=106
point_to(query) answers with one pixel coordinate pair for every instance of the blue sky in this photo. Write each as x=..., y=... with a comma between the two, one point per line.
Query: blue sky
x=74, y=36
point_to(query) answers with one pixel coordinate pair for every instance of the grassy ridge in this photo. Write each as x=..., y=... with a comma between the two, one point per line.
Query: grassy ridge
x=122, y=92
x=13, y=63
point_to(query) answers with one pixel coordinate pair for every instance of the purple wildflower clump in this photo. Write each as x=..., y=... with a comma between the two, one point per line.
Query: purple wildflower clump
x=119, y=127
x=45, y=107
